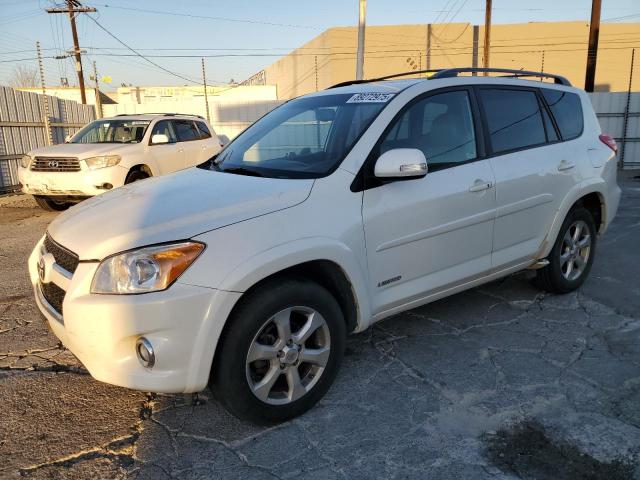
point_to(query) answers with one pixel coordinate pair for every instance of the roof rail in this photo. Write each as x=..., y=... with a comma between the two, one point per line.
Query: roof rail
x=386, y=77
x=453, y=72
x=160, y=113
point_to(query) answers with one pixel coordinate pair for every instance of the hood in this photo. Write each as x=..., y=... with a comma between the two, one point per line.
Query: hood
x=84, y=150
x=168, y=208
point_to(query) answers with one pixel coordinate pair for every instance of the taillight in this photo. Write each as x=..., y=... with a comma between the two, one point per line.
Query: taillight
x=610, y=142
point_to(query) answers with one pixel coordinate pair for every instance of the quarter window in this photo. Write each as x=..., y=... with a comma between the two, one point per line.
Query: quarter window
x=514, y=119
x=186, y=130
x=204, y=130
x=567, y=110
x=440, y=125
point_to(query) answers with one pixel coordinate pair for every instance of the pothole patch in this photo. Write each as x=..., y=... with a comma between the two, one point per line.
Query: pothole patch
x=528, y=452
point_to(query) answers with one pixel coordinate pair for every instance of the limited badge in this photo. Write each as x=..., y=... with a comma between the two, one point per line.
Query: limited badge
x=371, y=97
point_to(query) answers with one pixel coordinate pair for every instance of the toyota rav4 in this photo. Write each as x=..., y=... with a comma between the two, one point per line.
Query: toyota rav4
x=332, y=212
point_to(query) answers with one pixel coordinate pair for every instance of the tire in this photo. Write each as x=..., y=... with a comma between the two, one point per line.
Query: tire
x=135, y=176
x=558, y=277
x=253, y=324
x=50, y=205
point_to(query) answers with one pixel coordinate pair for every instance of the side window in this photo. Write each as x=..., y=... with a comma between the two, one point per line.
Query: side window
x=204, y=130
x=164, y=128
x=440, y=125
x=514, y=119
x=552, y=135
x=186, y=130
x=567, y=110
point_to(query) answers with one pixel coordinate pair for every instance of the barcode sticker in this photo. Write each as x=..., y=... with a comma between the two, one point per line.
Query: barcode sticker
x=371, y=98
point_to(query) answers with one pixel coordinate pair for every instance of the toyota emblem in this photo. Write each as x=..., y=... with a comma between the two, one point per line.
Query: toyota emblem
x=41, y=269
x=53, y=164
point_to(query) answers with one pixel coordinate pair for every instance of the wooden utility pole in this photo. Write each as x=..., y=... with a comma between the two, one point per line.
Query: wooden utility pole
x=74, y=7
x=48, y=137
x=592, y=52
x=487, y=35
x=206, y=98
x=361, y=28
x=97, y=87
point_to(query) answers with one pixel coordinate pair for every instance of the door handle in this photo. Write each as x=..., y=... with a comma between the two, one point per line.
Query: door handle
x=480, y=185
x=565, y=165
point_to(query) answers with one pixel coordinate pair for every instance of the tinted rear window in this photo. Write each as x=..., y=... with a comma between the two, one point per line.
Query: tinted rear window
x=567, y=110
x=186, y=130
x=204, y=130
x=513, y=118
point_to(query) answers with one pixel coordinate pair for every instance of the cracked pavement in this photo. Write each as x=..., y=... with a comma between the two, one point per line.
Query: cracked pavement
x=418, y=395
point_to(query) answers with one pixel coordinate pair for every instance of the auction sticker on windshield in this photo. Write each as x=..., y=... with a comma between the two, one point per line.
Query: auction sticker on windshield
x=371, y=98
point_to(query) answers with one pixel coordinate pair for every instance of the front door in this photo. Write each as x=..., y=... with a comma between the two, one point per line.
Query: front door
x=425, y=234
x=169, y=157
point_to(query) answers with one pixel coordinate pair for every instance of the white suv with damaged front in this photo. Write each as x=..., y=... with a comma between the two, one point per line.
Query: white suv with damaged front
x=112, y=152
x=334, y=211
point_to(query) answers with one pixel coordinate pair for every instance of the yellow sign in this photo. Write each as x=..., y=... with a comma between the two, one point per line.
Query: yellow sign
x=107, y=79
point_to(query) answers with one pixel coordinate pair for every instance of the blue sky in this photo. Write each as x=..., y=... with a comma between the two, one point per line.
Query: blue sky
x=268, y=29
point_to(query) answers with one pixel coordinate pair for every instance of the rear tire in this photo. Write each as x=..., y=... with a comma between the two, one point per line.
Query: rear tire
x=135, y=176
x=572, y=254
x=50, y=205
x=295, y=332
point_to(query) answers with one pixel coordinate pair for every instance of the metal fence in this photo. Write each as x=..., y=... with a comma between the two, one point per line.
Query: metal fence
x=22, y=127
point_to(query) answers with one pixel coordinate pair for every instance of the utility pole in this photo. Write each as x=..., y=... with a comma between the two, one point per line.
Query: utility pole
x=74, y=7
x=592, y=53
x=97, y=87
x=487, y=35
x=47, y=126
x=206, y=98
x=361, y=26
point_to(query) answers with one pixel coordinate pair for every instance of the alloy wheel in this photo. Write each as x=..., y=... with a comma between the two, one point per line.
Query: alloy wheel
x=575, y=250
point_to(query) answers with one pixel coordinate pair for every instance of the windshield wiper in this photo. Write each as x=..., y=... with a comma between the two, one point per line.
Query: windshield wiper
x=243, y=171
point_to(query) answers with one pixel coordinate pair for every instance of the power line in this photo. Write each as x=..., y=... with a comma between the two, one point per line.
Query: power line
x=142, y=56
x=207, y=17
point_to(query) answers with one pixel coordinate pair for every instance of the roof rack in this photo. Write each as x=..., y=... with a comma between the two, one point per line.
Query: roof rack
x=386, y=77
x=160, y=113
x=453, y=72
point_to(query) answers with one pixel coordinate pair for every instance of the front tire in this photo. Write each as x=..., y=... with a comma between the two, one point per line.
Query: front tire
x=572, y=255
x=50, y=205
x=135, y=176
x=281, y=351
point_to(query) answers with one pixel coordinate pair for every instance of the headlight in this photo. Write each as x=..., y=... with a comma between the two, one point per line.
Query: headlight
x=148, y=269
x=26, y=161
x=102, y=161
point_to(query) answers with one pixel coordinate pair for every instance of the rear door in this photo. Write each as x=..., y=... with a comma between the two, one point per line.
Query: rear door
x=532, y=168
x=189, y=140
x=424, y=234
x=209, y=143
x=169, y=157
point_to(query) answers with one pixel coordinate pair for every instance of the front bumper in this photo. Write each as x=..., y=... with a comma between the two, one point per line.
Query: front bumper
x=85, y=183
x=183, y=323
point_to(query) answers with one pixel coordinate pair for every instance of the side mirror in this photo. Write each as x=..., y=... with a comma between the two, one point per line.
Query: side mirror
x=67, y=139
x=401, y=163
x=159, y=138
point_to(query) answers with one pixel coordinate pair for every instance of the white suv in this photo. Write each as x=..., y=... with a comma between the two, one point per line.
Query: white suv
x=111, y=152
x=334, y=211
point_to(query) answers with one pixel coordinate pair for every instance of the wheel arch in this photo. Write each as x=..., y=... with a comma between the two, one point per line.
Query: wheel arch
x=141, y=167
x=591, y=196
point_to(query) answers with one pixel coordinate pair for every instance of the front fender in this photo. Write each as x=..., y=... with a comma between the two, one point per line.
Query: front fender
x=290, y=254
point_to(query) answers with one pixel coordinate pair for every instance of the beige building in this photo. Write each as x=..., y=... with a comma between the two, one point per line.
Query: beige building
x=558, y=47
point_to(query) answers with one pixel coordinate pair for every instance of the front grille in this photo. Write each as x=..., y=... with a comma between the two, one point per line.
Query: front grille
x=54, y=295
x=55, y=164
x=64, y=258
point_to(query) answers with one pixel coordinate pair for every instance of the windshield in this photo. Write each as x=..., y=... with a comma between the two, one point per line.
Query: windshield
x=112, y=131
x=304, y=138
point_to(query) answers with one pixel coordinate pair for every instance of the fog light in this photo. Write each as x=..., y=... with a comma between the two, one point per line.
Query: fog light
x=145, y=352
